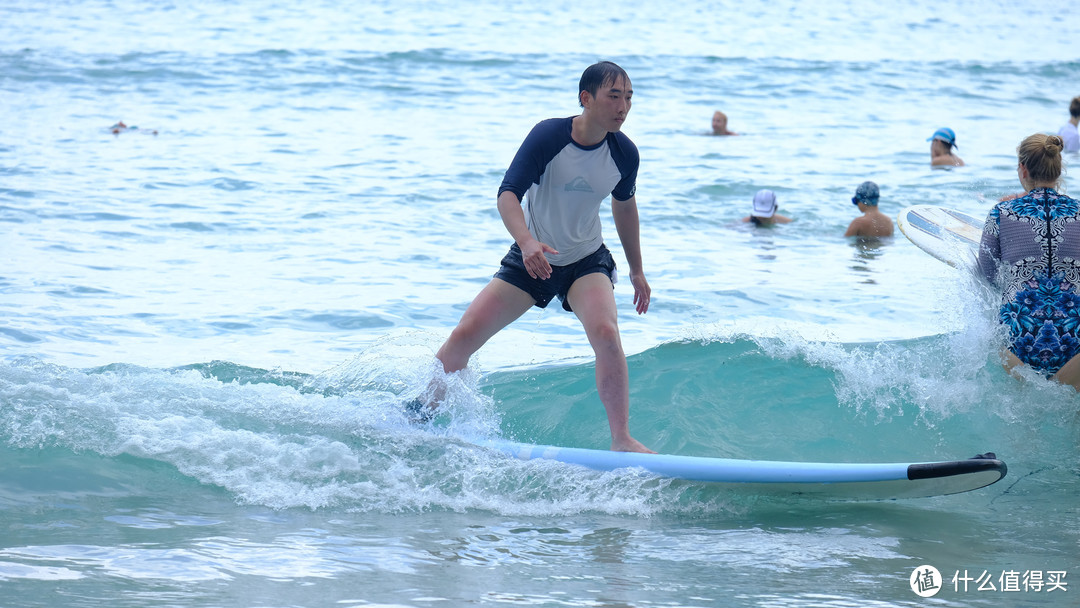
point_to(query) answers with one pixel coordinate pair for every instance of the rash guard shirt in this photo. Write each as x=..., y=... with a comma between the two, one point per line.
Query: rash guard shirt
x=563, y=184
x=1031, y=250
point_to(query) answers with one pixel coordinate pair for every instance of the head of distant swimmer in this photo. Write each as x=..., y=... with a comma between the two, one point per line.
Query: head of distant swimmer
x=719, y=122
x=943, y=139
x=1074, y=107
x=599, y=75
x=867, y=193
x=1040, y=156
x=764, y=206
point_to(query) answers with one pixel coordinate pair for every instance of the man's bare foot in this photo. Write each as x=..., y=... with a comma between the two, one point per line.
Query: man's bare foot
x=630, y=445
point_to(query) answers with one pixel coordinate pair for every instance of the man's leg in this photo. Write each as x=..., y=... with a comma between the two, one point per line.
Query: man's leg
x=593, y=301
x=495, y=307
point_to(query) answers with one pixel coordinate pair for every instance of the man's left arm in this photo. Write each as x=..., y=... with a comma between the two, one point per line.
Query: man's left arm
x=625, y=214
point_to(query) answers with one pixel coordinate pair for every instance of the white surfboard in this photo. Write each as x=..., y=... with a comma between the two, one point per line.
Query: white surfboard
x=830, y=480
x=949, y=235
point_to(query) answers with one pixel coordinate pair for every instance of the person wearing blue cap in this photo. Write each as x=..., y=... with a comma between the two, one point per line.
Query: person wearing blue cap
x=941, y=149
x=872, y=222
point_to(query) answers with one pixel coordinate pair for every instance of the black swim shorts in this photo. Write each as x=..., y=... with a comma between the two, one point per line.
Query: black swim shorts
x=562, y=277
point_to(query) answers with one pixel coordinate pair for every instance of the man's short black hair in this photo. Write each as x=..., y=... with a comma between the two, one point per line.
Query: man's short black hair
x=597, y=75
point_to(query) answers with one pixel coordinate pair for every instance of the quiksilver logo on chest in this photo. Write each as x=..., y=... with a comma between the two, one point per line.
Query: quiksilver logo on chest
x=578, y=184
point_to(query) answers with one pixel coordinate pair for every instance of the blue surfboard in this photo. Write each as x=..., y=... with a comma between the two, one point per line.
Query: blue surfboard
x=835, y=480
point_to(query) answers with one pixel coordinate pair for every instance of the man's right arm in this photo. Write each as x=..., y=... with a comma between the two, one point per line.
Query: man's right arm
x=854, y=226
x=532, y=250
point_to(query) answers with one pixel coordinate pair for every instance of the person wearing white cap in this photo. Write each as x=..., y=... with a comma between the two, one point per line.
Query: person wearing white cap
x=872, y=222
x=941, y=149
x=764, y=212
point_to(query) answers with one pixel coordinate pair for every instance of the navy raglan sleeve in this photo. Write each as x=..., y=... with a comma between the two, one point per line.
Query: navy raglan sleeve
x=545, y=140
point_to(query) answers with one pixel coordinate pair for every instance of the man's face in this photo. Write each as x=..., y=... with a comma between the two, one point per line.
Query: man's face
x=611, y=104
x=719, y=122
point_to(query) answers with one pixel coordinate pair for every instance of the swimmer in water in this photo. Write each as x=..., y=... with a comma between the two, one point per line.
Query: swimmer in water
x=872, y=222
x=719, y=124
x=763, y=213
x=941, y=149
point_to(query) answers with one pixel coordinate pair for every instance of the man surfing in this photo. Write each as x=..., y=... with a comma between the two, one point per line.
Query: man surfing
x=563, y=171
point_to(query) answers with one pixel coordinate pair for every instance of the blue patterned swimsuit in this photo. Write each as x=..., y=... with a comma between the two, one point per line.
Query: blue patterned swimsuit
x=1031, y=250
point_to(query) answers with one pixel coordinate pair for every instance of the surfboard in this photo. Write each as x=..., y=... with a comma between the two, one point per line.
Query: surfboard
x=949, y=235
x=830, y=480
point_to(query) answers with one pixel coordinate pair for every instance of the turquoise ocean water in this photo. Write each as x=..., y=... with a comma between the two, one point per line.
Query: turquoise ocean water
x=207, y=323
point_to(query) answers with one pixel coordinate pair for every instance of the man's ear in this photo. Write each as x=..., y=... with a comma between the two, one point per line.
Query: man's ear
x=584, y=98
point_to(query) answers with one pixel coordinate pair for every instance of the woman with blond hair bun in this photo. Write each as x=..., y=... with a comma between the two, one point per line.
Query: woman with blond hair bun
x=1031, y=250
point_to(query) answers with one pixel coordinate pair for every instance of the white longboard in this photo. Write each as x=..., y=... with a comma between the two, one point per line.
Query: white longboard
x=949, y=235
x=831, y=480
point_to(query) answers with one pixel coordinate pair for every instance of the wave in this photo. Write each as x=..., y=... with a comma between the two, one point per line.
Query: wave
x=340, y=440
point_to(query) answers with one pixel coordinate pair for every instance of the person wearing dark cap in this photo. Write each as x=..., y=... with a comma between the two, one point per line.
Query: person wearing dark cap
x=763, y=213
x=872, y=222
x=941, y=149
